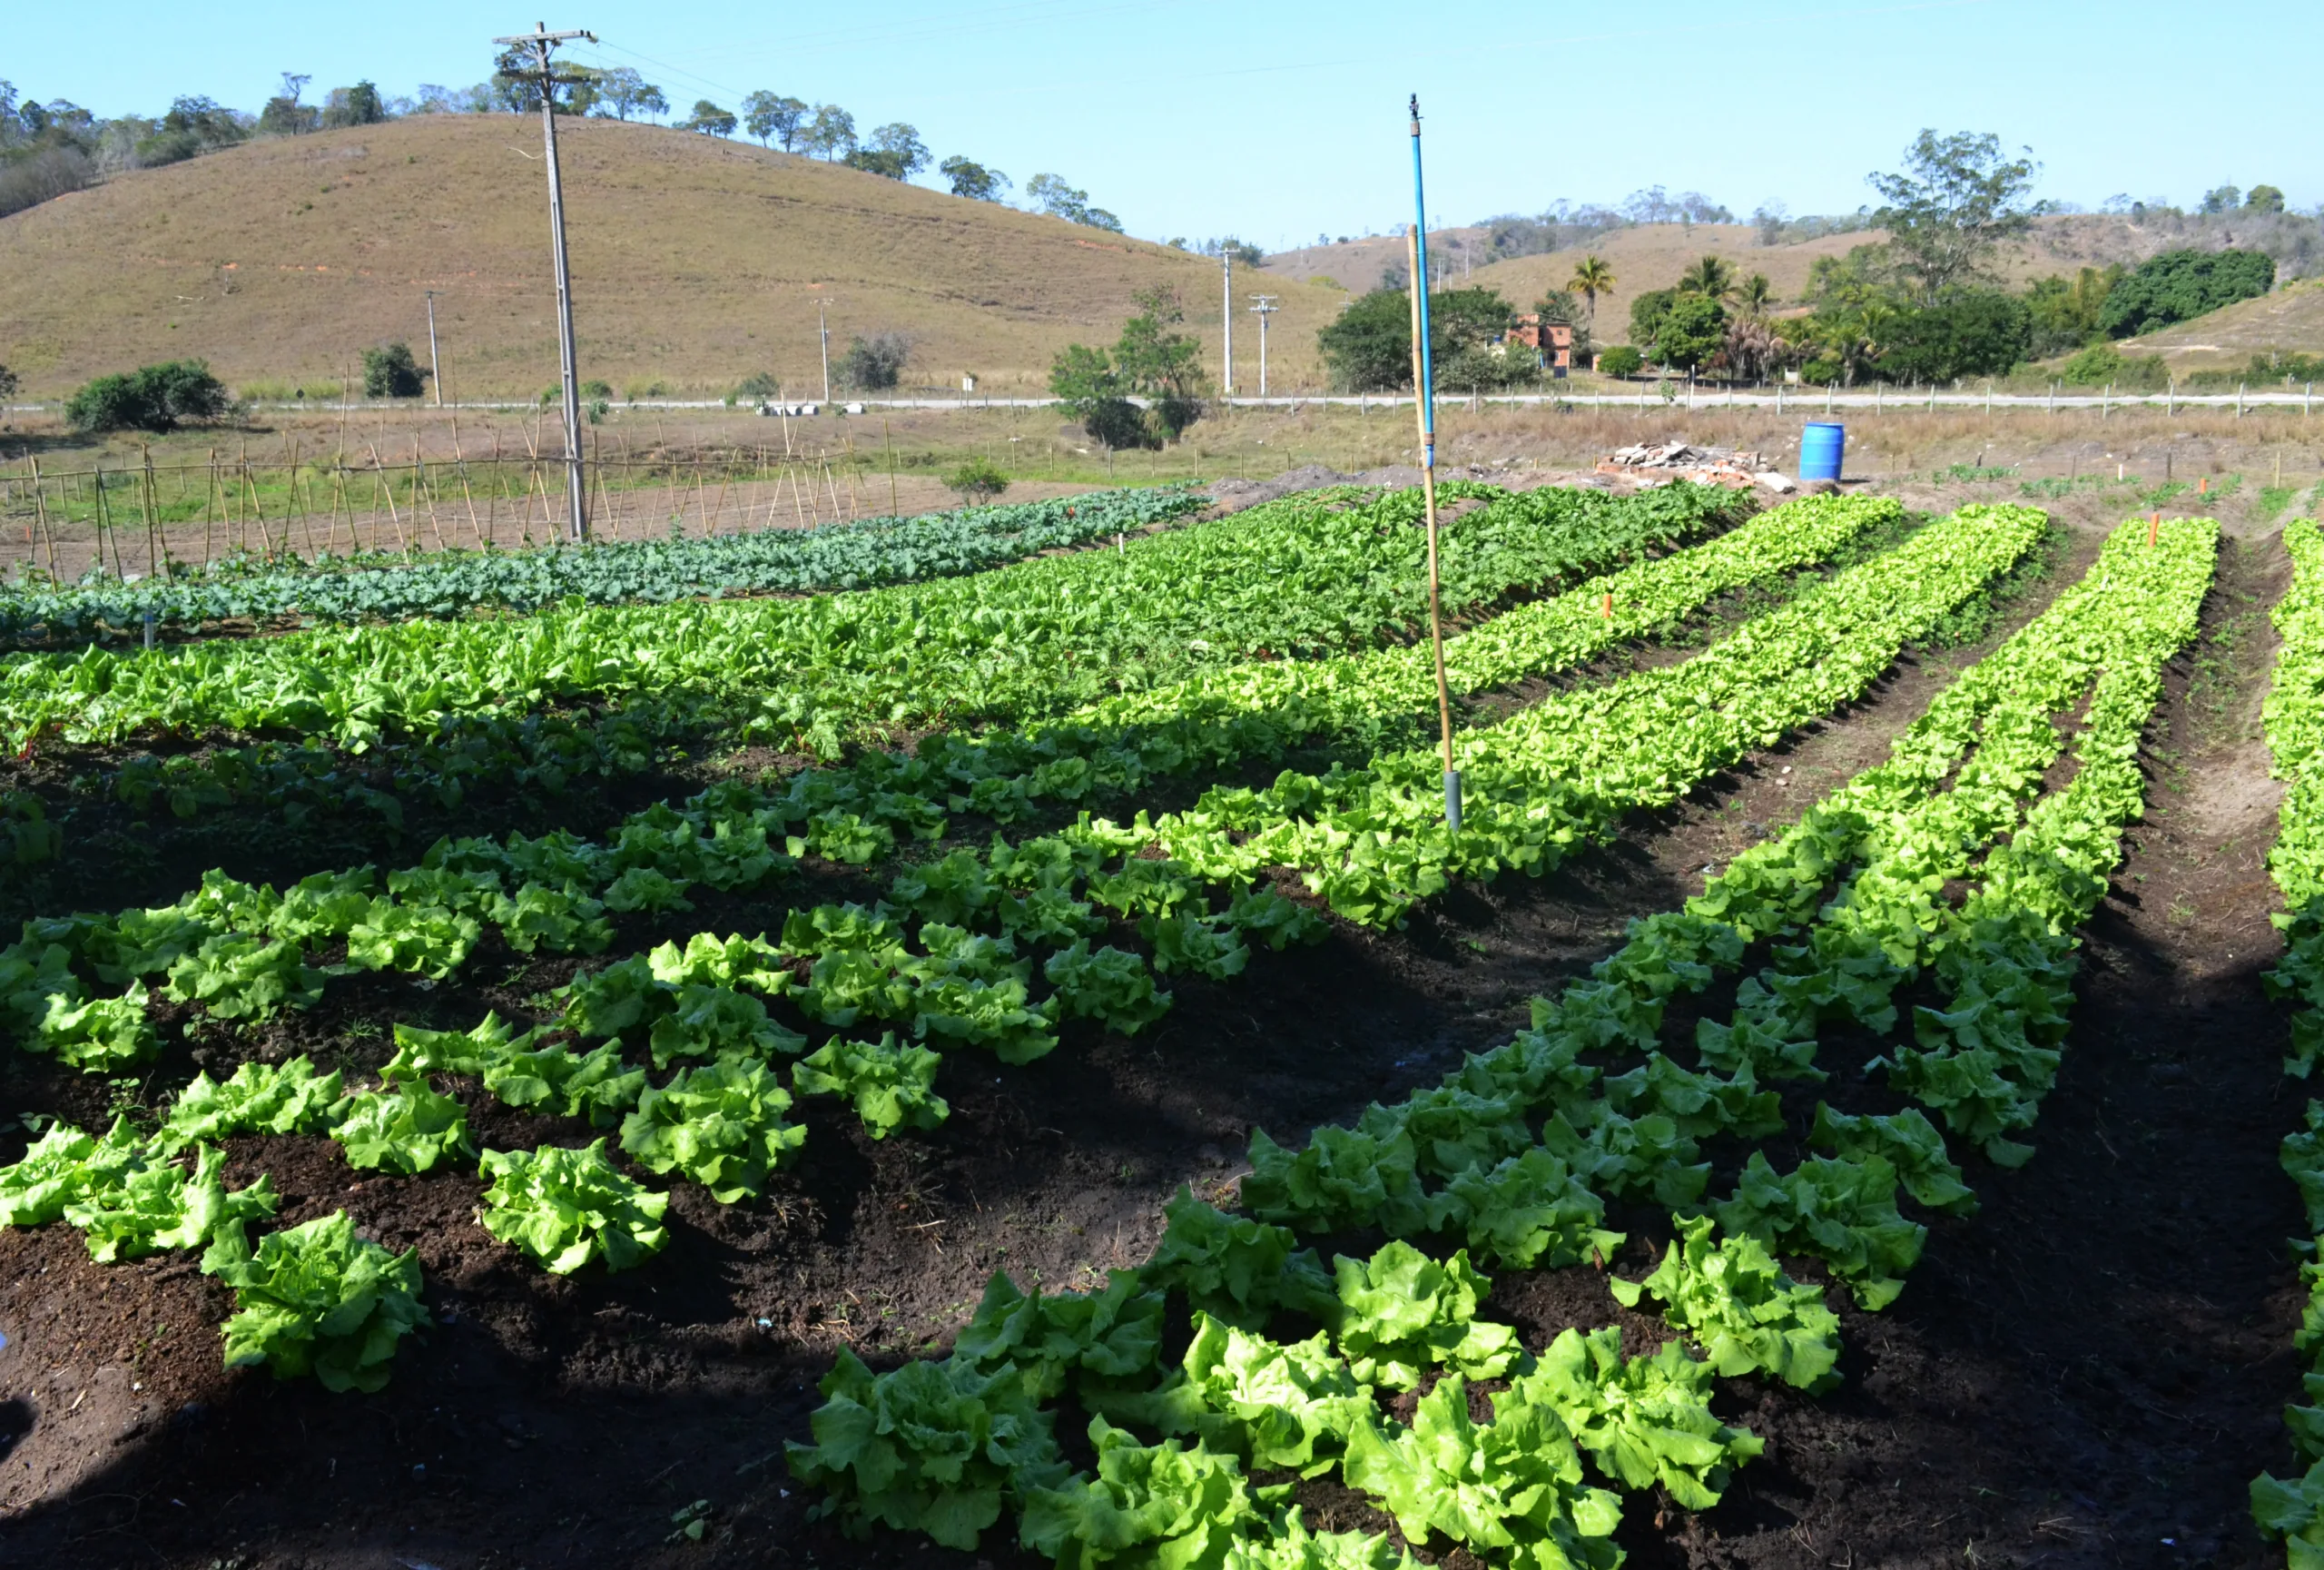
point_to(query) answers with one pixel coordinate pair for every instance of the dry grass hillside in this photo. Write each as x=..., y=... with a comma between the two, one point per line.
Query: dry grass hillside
x=696, y=262
x=2292, y=318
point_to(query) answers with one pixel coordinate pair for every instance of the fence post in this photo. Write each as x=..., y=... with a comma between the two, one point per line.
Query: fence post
x=2239, y=399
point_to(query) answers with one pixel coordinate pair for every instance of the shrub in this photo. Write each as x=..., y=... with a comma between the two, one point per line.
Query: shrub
x=977, y=480
x=2094, y=366
x=875, y=363
x=761, y=385
x=389, y=371
x=1621, y=361
x=2181, y=285
x=153, y=398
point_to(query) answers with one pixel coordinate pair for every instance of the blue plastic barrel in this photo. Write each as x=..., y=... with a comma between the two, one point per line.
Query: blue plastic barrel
x=1821, y=447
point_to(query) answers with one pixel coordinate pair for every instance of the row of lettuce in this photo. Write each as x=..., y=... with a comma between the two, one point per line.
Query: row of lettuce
x=1512, y=1159
x=2293, y=720
x=76, y=986
x=1318, y=573
x=382, y=586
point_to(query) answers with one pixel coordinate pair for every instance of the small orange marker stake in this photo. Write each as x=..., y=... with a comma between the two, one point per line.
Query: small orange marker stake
x=1607, y=613
x=2202, y=485
x=2153, y=527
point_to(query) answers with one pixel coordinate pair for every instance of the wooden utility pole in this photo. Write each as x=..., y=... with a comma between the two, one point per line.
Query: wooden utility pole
x=435, y=369
x=540, y=41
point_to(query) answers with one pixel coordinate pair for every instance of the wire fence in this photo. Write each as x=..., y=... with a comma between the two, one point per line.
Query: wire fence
x=142, y=517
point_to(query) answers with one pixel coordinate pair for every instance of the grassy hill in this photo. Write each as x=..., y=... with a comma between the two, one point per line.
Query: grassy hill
x=696, y=262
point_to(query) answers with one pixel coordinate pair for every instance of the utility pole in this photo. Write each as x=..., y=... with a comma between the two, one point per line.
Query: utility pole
x=1227, y=283
x=1265, y=308
x=435, y=370
x=540, y=41
x=823, y=330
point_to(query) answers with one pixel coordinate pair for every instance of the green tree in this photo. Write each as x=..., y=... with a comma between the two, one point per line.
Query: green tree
x=1693, y=330
x=389, y=371
x=973, y=179
x=2068, y=313
x=1957, y=200
x=1369, y=346
x=8, y=383
x=1755, y=296
x=1084, y=380
x=1161, y=366
x=1712, y=277
x=1592, y=276
x=1646, y=311
x=357, y=105
x=2221, y=199
x=875, y=363
x=709, y=120
x=2181, y=285
x=284, y=114
x=1620, y=361
x=622, y=92
x=2263, y=199
x=771, y=117
x=155, y=398
x=1970, y=332
x=831, y=132
x=193, y=125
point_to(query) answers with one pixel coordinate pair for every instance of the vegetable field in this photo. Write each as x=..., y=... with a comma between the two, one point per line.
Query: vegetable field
x=970, y=1042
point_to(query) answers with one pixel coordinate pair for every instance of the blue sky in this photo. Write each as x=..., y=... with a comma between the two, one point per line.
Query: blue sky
x=1277, y=123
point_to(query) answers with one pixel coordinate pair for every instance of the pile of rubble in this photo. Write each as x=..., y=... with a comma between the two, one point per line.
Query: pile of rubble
x=1659, y=463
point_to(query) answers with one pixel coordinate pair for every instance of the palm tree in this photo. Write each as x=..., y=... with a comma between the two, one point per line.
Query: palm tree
x=1710, y=276
x=1754, y=295
x=1592, y=278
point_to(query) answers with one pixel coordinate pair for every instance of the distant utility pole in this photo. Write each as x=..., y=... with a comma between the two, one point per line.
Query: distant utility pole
x=541, y=41
x=1265, y=308
x=435, y=372
x=1227, y=281
x=823, y=330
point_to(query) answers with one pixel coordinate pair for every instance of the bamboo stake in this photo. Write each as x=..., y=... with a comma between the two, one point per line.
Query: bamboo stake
x=145, y=500
x=459, y=458
x=379, y=471
x=40, y=514
x=832, y=484
x=420, y=487
x=1423, y=394
x=888, y=436
x=305, y=505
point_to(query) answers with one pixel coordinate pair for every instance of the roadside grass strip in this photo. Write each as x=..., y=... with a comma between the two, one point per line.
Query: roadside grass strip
x=2293, y=719
x=1509, y=1162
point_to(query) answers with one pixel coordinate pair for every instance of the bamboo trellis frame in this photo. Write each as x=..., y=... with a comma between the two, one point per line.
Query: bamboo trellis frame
x=238, y=504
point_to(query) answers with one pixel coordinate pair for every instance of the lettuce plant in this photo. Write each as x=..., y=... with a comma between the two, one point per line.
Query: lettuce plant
x=408, y=1129
x=1402, y=1315
x=287, y=1098
x=1740, y=1308
x=317, y=1300
x=933, y=1448
x=891, y=1087
x=1160, y=1505
x=721, y=1125
x=563, y=1207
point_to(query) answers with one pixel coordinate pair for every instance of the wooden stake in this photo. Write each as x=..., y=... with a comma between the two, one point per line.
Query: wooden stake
x=2153, y=527
x=1428, y=500
x=888, y=437
x=1606, y=612
x=40, y=514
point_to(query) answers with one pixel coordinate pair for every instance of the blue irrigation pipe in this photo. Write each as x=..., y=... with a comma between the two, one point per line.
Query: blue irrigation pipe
x=1425, y=383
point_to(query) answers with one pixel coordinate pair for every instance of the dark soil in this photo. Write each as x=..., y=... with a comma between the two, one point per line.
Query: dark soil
x=2087, y=1373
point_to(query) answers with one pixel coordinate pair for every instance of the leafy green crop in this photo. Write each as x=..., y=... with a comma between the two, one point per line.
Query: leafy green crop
x=1235, y=1269
x=564, y=1208
x=1111, y=1334
x=721, y=1125
x=1740, y=1306
x=317, y=1300
x=286, y=1098
x=1645, y=1420
x=1401, y=1314
x=1161, y=1505
x=891, y=1087
x=157, y=1205
x=1513, y=1484
x=933, y=1448
x=406, y=1130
